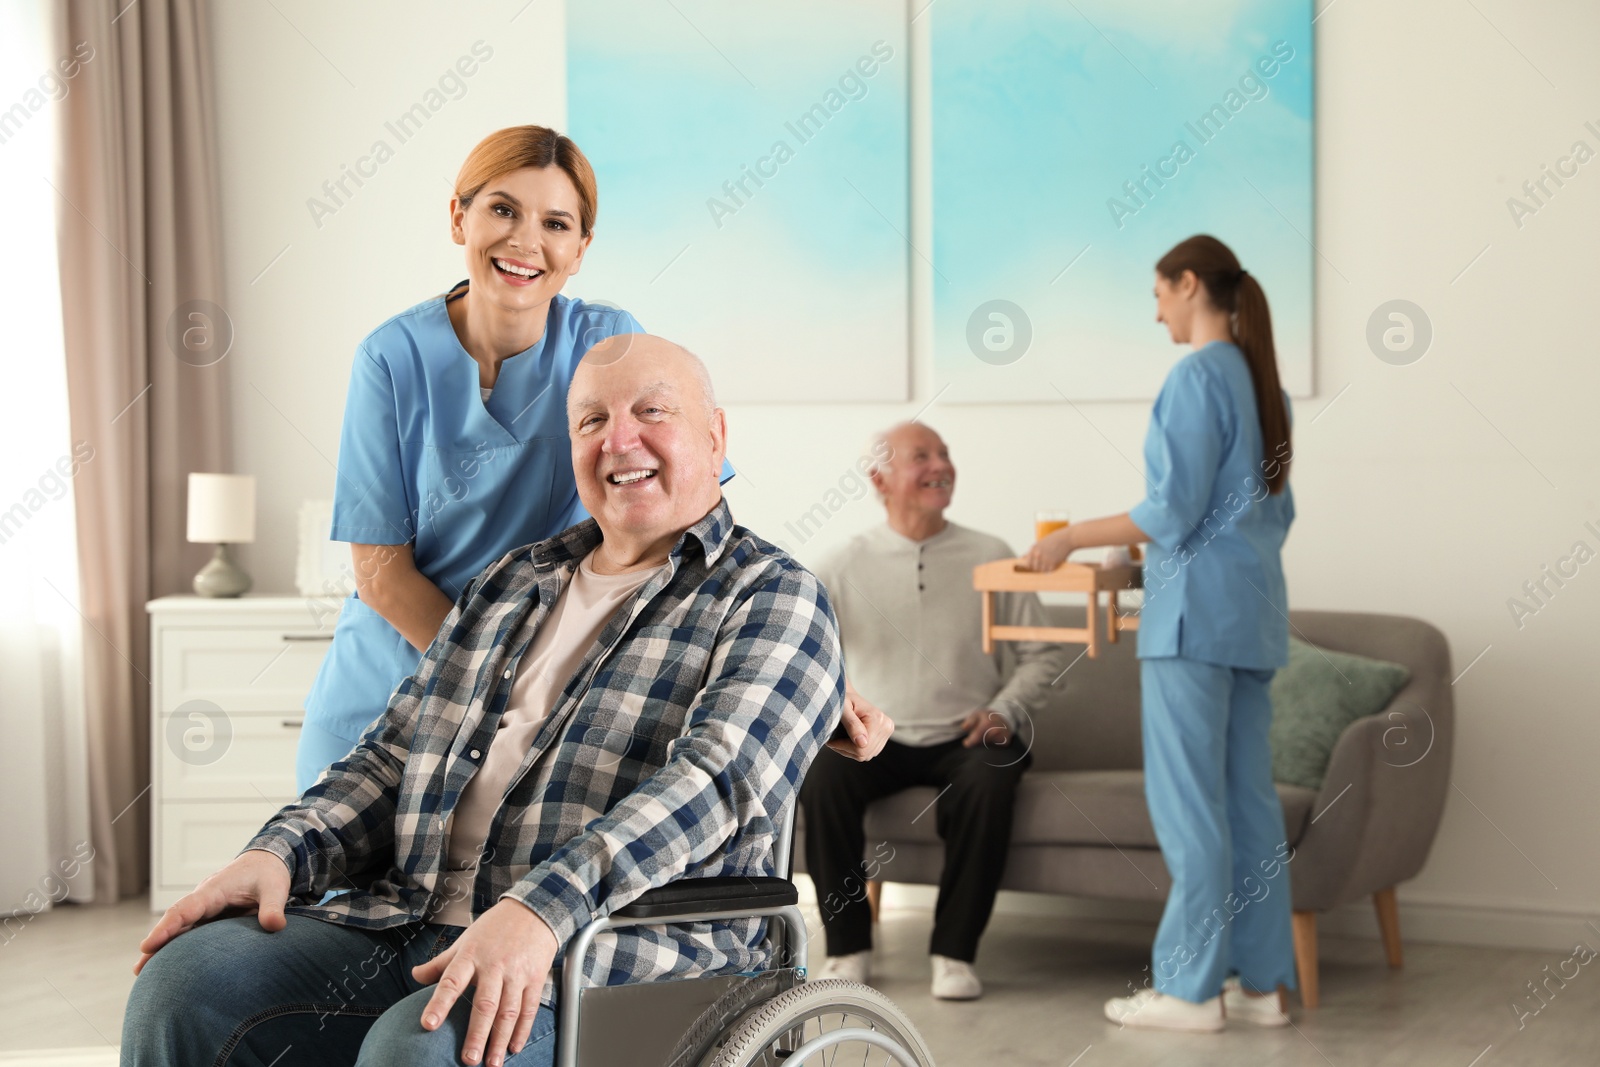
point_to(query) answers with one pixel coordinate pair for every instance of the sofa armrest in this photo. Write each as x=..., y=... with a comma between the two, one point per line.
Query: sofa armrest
x=1379, y=809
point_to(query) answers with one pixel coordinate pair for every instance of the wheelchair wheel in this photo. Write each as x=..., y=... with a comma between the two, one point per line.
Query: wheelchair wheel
x=824, y=1022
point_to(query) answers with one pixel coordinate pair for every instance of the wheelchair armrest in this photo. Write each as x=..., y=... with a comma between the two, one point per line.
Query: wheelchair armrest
x=689, y=896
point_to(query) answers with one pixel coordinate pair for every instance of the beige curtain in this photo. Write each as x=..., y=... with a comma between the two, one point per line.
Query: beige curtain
x=140, y=237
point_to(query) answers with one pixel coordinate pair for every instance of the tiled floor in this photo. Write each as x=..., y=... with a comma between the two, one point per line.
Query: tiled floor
x=64, y=978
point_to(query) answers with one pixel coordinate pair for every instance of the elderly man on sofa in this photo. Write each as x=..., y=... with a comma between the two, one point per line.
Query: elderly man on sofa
x=910, y=621
x=627, y=703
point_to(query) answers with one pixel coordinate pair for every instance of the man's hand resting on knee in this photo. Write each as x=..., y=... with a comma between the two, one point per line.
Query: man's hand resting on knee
x=505, y=955
x=256, y=881
x=986, y=728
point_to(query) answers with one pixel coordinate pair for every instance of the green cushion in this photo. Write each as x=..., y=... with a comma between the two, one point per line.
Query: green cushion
x=1314, y=698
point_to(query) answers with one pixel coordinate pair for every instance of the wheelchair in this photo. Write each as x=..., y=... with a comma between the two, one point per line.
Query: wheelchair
x=740, y=1020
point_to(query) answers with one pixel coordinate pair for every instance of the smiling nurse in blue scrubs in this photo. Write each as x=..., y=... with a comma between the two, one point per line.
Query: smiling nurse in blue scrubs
x=1214, y=630
x=454, y=448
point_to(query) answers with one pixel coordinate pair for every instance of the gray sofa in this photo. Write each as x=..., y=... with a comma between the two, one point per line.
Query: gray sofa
x=1082, y=828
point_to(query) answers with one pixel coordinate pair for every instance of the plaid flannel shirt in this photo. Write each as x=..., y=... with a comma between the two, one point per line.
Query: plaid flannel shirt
x=674, y=751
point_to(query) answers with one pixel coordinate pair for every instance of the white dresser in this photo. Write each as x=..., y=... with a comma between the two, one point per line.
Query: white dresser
x=229, y=681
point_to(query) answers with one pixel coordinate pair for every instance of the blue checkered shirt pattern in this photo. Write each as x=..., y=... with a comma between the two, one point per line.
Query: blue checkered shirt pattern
x=675, y=751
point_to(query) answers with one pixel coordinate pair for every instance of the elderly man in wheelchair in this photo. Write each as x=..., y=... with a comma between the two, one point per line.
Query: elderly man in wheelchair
x=592, y=771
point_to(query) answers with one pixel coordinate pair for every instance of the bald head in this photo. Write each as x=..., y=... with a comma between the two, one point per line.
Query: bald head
x=625, y=351
x=885, y=442
x=913, y=472
x=647, y=439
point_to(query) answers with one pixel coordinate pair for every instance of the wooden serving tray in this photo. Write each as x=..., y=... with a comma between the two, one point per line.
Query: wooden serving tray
x=1003, y=576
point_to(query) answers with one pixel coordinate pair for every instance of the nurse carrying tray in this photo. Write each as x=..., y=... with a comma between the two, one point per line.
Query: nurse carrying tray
x=1213, y=631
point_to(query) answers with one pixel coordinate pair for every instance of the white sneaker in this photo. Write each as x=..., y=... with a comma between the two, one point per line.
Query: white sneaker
x=955, y=980
x=856, y=967
x=1269, y=1010
x=1149, y=1010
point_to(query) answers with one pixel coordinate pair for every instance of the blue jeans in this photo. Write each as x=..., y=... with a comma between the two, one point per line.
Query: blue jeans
x=1208, y=781
x=314, y=994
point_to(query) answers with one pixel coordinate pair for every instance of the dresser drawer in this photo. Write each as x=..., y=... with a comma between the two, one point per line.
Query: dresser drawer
x=204, y=755
x=199, y=839
x=241, y=670
x=230, y=677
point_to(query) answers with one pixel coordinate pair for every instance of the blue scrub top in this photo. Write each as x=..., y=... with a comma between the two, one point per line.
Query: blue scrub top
x=1213, y=573
x=425, y=460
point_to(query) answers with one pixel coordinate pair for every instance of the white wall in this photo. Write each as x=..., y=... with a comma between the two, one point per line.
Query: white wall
x=1434, y=489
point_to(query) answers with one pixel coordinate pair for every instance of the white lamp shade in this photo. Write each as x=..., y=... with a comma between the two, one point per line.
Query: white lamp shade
x=222, y=508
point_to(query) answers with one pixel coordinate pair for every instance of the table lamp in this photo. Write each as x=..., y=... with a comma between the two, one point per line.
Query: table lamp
x=222, y=511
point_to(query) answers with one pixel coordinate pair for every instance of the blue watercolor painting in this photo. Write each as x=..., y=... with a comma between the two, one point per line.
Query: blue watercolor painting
x=753, y=169
x=1073, y=144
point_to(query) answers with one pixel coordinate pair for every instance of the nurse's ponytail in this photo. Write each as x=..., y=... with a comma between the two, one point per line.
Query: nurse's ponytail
x=1236, y=291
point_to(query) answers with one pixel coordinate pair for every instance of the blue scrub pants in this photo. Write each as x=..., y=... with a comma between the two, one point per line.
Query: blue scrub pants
x=366, y=662
x=316, y=750
x=1208, y=781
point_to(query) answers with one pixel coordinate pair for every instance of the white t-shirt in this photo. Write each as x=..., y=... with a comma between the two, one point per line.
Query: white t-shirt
x=575, y=622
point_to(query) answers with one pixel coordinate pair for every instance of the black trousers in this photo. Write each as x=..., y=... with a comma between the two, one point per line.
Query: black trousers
x=972, y=816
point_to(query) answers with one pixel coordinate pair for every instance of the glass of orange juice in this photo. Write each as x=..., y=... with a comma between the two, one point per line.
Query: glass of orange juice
x=1048, y=522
